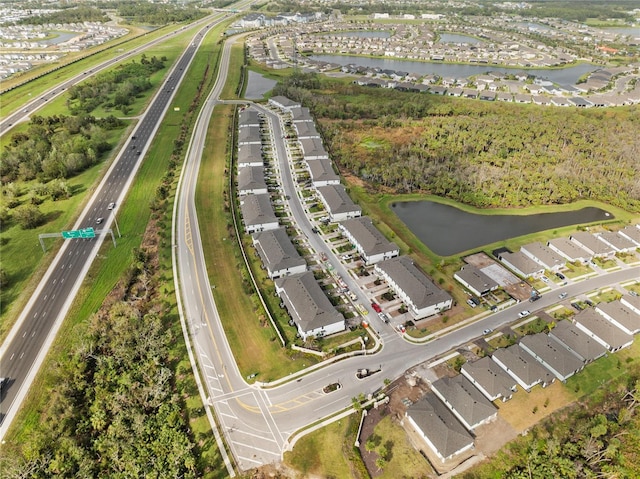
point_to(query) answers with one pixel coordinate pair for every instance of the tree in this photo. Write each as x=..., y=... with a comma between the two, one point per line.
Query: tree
x=28, y=216
x=380, y=463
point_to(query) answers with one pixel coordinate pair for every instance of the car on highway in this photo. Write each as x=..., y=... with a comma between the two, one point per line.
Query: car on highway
x=138, y=152
x=111, y=206
x=99, y=220
x=562, y=295
x=376, y=307
x=524, y=314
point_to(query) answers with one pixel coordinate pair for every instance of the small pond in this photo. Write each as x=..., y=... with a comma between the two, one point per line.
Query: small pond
x=446, y=230
x=257, y=86
x=457, y=38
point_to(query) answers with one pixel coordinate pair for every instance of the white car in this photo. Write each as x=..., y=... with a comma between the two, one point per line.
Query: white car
x=545, y=279
x=562, y=295
x=524, y=314
x=111, y=206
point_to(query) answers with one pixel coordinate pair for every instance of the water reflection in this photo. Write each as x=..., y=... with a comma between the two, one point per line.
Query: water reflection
x=447, y=230
x=257, y=86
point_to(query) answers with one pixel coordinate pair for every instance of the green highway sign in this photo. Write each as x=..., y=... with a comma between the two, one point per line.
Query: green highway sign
x=83, y=233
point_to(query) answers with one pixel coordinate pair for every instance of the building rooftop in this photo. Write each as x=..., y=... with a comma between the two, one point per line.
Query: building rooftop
x=415, y=284
x=491, y=377
x=307, y=304
x=620, y=314
x=337, y=200
x=313, y=148
x=257, y=210
x=569, y=249
x=465, y=399
x=276, y=250
x=523, y=365
x=552, y=353
x=251, y=178
x=578, y=341
x=543, y=254
x=370, y=239
x=477, y=279
x=522, y=262
x=249, y=117
x=322, y=171
x=604, y=329
x=592, y=243
x=438, y=423
x=250, y=154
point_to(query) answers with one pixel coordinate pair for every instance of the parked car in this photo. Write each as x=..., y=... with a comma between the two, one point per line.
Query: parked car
x=401, y=328
x=376, y=307
x=577, y=306
x=561, y=276
x=524, y=314
x=545, y=279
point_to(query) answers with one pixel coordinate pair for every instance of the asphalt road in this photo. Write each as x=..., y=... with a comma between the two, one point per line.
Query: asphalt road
x=28, y=342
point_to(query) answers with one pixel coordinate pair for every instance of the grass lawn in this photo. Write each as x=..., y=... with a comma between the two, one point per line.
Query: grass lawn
x=605, y=295
x=532, y=327
x=319, y=453
x=403, y=460
x=575, y=271
x=519, y=411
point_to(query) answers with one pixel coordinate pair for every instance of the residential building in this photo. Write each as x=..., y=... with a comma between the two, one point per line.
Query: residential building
x=313, y=149
x=475, y=280
x=569, y=250
x=490, y=379
x=279, y=256
x=521, y=264
x=466, y=402
x=602, y=330
x=257, y=213
x=631, y=233
x=249, y=117
x=338, y=203
x=305, y=129
x=552, y=354
x=300, y=114
x=522, y=367
x=438, y=427
x=617, y=241
x=250, y=155
x=631, y=302
x=577, y=341
x=415, y=289
x=620, y=315
x=283, y=103
x=544, y=256
x=249, y=135
x=308, y=306
x=594, y=247
x=251, y=181
x=322, y=173
x=371, y=244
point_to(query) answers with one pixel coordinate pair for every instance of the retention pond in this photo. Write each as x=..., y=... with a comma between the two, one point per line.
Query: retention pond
x=447, y=230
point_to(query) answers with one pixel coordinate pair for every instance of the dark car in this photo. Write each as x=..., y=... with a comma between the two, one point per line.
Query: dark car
x=560, y=276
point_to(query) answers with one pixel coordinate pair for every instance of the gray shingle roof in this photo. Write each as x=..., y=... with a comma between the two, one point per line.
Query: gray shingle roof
x=257, y=210
x=578, y=341
x=321, y=170
x=337, y=200
x=251, y=178
x=522, y=262
x=306, y=129
x=552, y=354
x=249, y=135
x=465, y=399
x=603, y=328
x=276, y=250
x=523, y=365
x=590, y=242
x=249, y=116
x=313, y=147
x=250, y=154
x=438, y=423
x=569, y=249
x=616, y=240
x=621, y=314
x=476, y=279
x=491, y=377
x=370, y=239
x=413, y=282
x=307, y=304
x=283, y=102
x=301, y=114
x=543, y=255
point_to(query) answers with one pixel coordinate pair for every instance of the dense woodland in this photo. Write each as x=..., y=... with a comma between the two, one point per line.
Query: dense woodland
x=115, y=410
x=68, y=15
x=486, y=154
x=55, y=147
x=156, y=13
x=117, y=88
x=599, y=438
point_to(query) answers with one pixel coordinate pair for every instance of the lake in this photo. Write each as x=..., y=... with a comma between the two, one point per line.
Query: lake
x=447, y=230
x=563, y=76
x=457, y=38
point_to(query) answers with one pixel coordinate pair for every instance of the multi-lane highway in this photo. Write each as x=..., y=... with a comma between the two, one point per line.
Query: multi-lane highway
x=27, y=343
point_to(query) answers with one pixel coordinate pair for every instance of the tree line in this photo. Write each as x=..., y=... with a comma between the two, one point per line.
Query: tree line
x=486, y=154
x=117, y=88
x=78, y=14
x=156, y=13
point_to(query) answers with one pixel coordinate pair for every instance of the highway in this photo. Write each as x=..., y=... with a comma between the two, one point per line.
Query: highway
x=258, y=421
x=29, y=340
